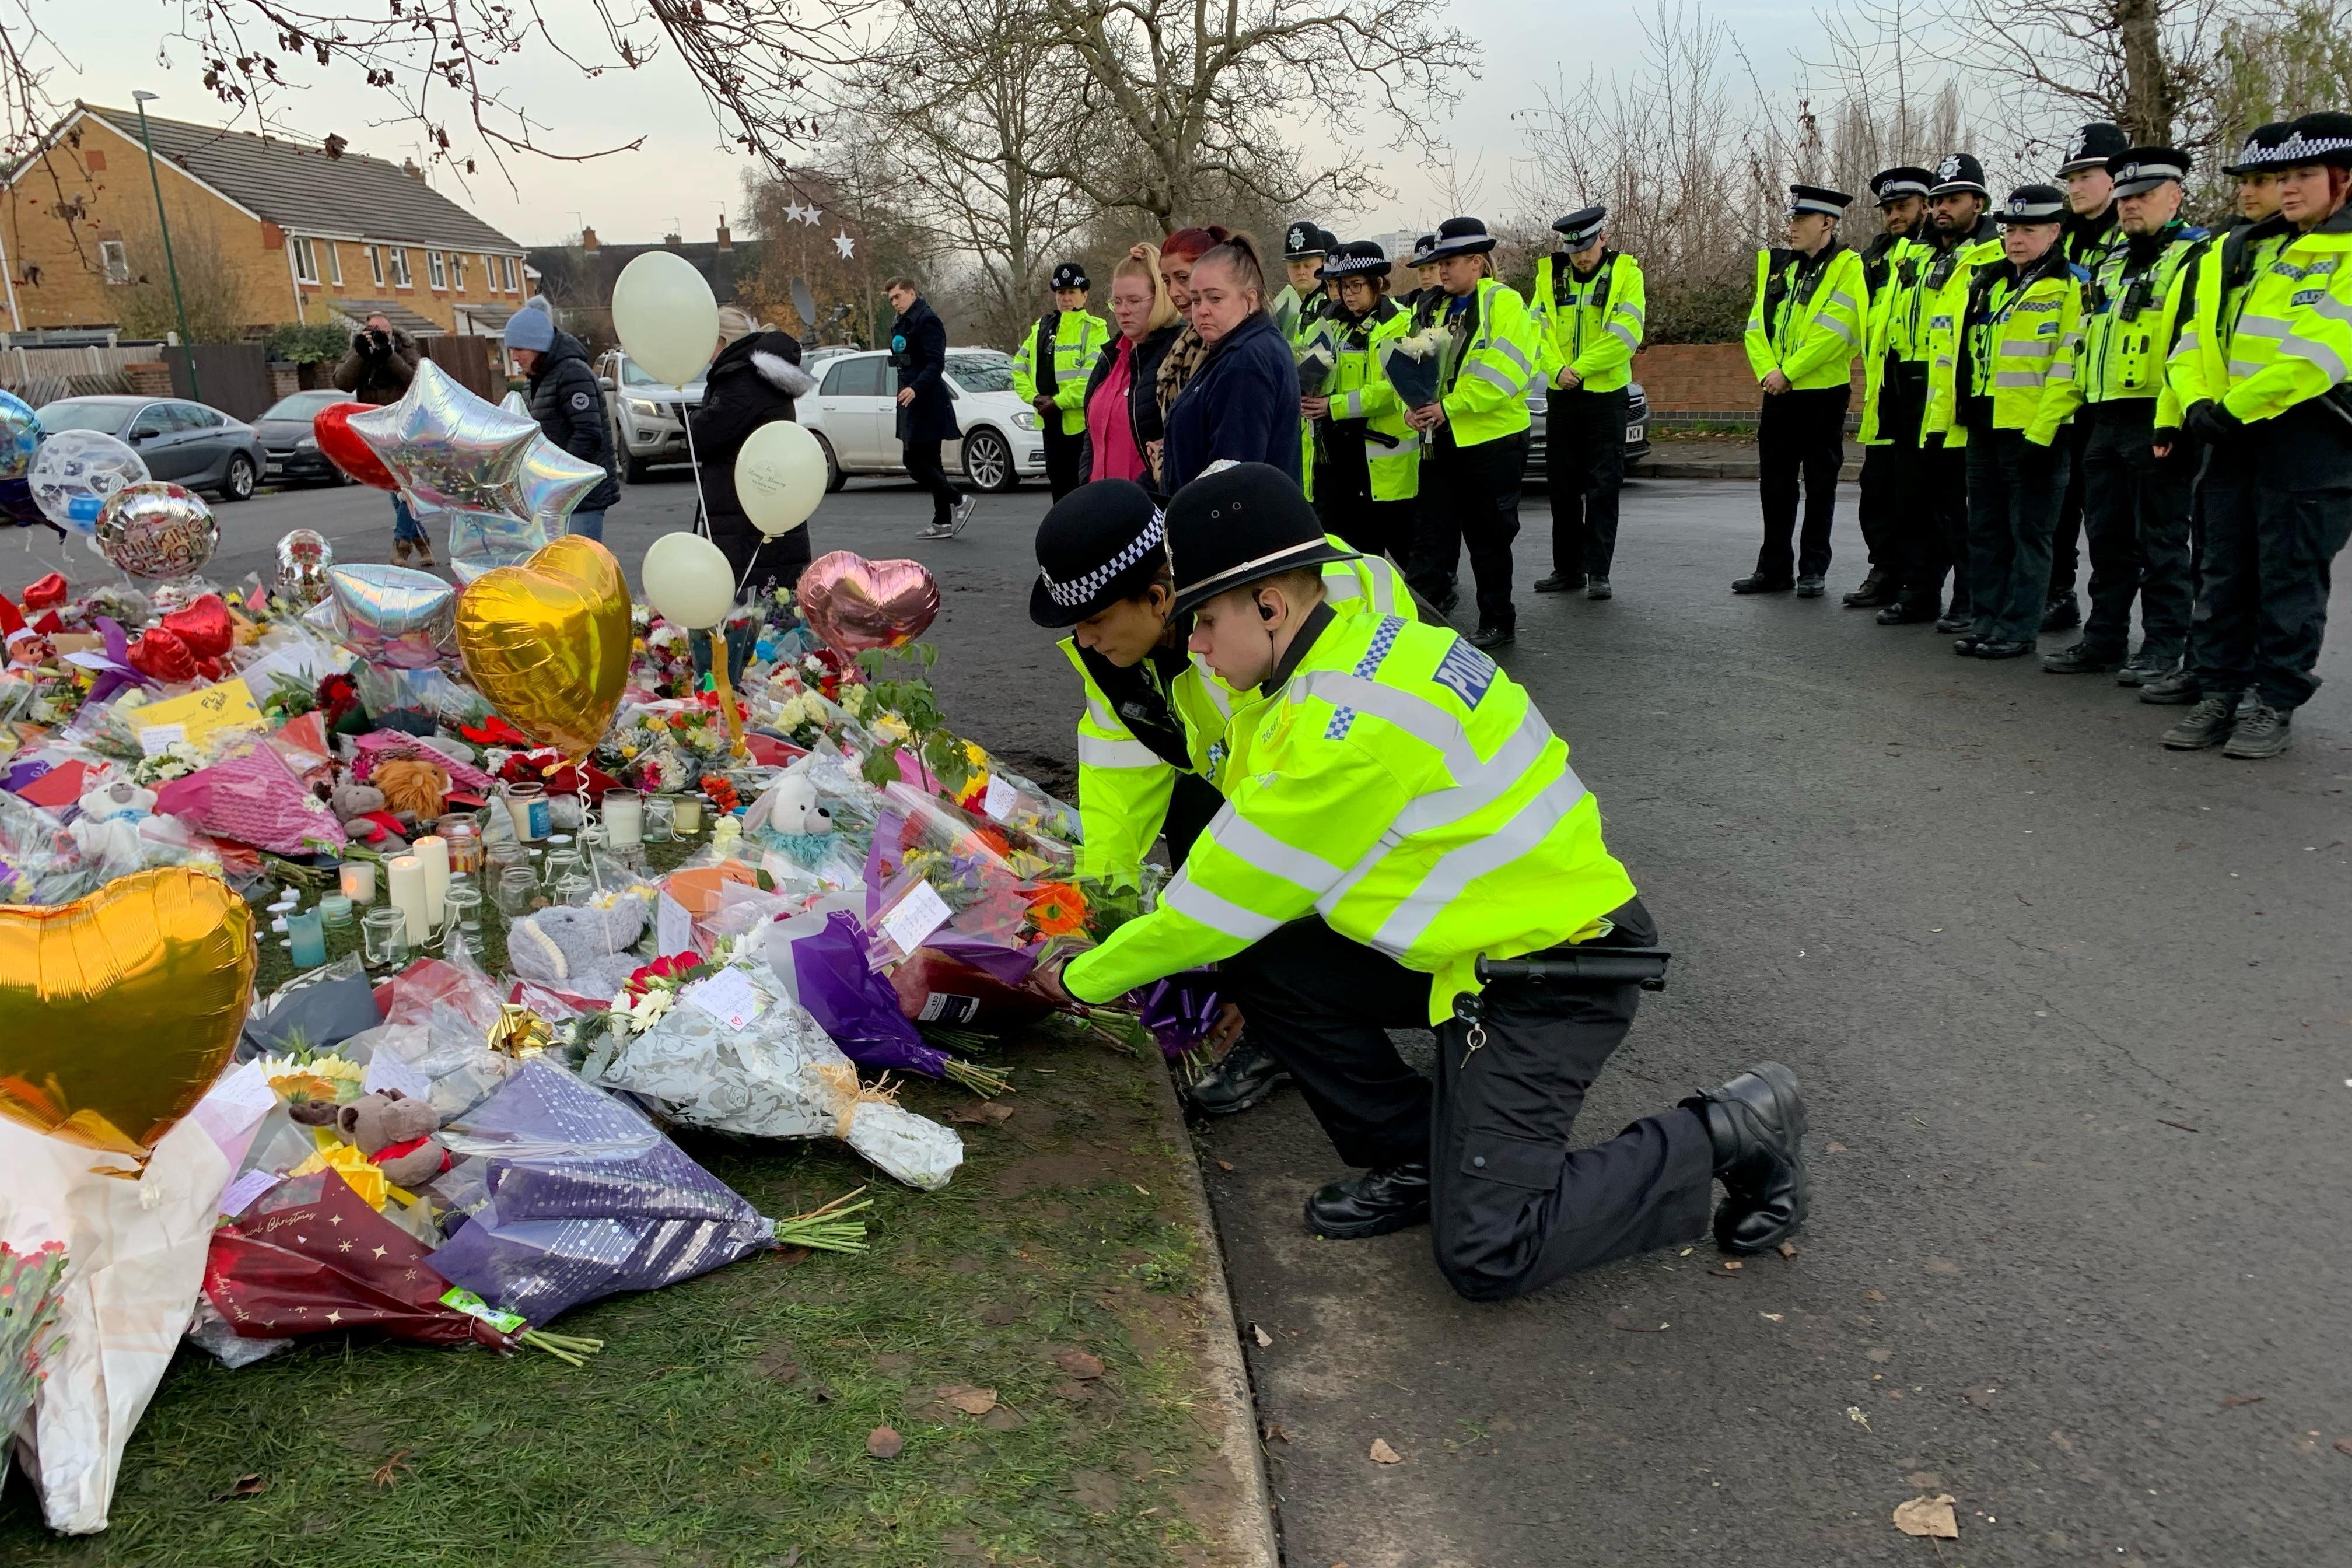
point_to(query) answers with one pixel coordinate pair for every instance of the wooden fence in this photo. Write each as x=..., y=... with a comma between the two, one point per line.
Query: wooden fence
x=470, y=362
x=235, y=377
x=43, y=375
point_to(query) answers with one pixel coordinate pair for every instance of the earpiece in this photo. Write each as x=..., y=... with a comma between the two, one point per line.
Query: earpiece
x=1264, y=611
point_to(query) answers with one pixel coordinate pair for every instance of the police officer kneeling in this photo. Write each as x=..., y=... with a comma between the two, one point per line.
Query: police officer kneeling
x=1401, y=824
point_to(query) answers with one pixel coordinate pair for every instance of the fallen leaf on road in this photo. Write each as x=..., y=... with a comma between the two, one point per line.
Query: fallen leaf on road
x=1770, y=1317
x=1929, y=1516
x=1732, y=1266
x=1079, y=1363
x=2344, y=1444
x=1873, y=1295
x=2237, y=1399
x=884, y=1443
x=1835, y=1147
x=1224, y=1165
x=1854, y=1414
x=1384, y=1454
x=246, y=1486
x=1264, y=1338
x=983, y=1113
x=1274, y=1434
x=971, y=1401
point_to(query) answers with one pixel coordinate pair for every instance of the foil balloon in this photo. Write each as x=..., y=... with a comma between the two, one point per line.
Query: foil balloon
x=515, y=403
x=482, y=541
x=20, y=436
x=76, y=472
x=548, y=642
x=303, y=557
x=154, y=528
x=688, y=580
x=853, y=603
x=119, y=1010
x=331, y=427
x=780, y=476
x=552, y=482
x=448, y=449
x=203, y=625
x=390, y=616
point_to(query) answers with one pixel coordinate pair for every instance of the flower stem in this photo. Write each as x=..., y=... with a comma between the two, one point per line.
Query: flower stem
x=985, y=1082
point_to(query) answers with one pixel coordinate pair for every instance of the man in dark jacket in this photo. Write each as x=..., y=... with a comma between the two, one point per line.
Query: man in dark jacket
x=753, y=382
x=377, y=371
x=918, y=351
x=569, y=405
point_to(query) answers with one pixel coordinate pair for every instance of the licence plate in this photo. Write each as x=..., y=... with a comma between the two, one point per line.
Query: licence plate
x=1632, y=432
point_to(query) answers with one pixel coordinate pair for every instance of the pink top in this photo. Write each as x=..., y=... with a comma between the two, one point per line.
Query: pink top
x=1108, y=425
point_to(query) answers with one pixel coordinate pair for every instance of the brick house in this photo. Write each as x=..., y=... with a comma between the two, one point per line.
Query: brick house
x=289, y=233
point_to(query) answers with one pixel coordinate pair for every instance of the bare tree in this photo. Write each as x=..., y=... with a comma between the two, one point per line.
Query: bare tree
x=1200, y=91
x=208, y=284
x=843, y=225
x=2145, y=65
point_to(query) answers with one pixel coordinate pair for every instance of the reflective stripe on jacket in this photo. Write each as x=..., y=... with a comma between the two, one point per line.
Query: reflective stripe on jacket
x=2127, y=321
x=2016, y=347
x=1807, y=315
x=1078, y=339
x=2272, y=325
x=1401, y=787
x=1591, y=325
x=1485, y=395
x=1938, y=305
x=1902, y=270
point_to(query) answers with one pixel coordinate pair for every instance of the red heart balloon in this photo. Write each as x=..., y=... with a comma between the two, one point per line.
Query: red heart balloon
x=163, y=656
x=853, y=603
x=203, y=625
x=46, y=593
x=346, y=450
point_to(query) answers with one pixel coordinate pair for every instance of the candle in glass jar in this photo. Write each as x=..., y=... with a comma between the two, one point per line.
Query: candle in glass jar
x=625, y=818
x=358, y=881
x=689, y=814
x=465, y=845
x=405, y=877
x=527, y=805
x=432, y=852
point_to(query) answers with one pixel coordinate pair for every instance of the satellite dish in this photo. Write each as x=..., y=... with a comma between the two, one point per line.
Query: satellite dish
x=804, y=302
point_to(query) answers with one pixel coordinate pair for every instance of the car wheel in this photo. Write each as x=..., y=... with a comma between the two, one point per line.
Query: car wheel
x=988, y=461
x=636, y=470
x=834, y=477
x=236, y=484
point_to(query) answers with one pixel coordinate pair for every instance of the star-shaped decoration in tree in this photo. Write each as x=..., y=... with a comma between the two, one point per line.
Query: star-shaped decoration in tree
x=846, y=245
x=809, y=214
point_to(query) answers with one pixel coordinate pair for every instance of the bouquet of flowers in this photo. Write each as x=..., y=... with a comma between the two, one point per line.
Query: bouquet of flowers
x=29, y=1283
x=1415, y=365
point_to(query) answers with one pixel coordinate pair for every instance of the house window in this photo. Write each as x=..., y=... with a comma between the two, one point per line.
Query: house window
x=490, y=272
x=334, y=263
x=375, y=264
x=437, y=267
x=400, y=278
x=458, y=271
x=513, y=287
x=114, y=260
x=306, y=262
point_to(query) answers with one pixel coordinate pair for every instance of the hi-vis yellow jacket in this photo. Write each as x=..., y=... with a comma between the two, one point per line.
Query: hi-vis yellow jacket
x=1589, y=325
x=1807, y=318
x=1401, y=785
x=2271, y=322
x=1078, y=341
x=2016, y=346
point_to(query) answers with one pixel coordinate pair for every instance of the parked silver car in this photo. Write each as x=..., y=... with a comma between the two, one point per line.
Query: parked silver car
x=191, y=443
x=648, y=413
x=853, y=413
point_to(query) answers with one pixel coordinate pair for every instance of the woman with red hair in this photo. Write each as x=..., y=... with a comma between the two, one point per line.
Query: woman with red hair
x=1177, y=255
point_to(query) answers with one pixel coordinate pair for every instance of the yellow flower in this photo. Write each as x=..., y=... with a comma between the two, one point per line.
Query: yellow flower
x=627, y=751
x=974, y=755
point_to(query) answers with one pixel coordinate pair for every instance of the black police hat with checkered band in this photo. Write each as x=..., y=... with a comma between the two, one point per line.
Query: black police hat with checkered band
x=1070, y=275
x=1100, y=543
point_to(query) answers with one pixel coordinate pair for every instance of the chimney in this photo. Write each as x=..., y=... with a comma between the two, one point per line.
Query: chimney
x=726, y=240
x=408, y=167
x=672, y=239
x=588, y=240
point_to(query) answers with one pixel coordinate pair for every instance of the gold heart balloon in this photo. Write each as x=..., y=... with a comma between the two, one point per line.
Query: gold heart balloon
x=547, y=642
x=119, y=1010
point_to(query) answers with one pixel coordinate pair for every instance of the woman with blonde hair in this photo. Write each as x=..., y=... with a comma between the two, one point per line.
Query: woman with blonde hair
x=1122, y=404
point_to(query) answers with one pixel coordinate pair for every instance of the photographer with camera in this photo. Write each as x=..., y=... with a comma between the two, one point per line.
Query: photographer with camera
x=377, y=371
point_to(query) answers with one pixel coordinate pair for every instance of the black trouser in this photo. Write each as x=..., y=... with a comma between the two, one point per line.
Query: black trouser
x=1943, y=546
x=1584, y=457
x=1512, y=1208
x=1343, y=495
x=2014, y=489
x=1192, y=805
x=2066, y=535
x=2136, y=521
x=1893, y=497
x=1064, y=456
x=923, y=467
x=1799, y=432
x=2277, y=503
x=1470, y=495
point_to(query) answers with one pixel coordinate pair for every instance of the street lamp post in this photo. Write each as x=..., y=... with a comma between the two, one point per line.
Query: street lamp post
x=180, y=306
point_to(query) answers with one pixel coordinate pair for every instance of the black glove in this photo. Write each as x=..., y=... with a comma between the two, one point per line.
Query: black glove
x=359, y=343
x=2210, y=422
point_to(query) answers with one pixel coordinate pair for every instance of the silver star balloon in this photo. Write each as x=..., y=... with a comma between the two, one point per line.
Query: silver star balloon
x=389, y=614
x=449, y=449
x=554, y=482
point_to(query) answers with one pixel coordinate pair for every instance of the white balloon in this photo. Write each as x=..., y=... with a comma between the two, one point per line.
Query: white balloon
x=666, y=316
x=780, y=476
x=74, y=473
x=688, y=580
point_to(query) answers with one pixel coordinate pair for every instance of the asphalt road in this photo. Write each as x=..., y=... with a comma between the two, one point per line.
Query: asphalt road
x=2071, y=1013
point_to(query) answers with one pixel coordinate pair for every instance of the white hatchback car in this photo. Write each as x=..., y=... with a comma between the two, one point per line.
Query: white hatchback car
x=853, y=413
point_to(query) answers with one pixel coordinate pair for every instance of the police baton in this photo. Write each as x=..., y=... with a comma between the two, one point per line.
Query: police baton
x=1581, y=969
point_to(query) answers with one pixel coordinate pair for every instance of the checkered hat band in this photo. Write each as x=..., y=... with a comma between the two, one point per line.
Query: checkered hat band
x=1078, y=591
x=2298, y=149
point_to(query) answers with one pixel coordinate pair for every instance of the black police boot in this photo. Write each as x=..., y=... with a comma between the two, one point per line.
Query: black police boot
x=1493, y=636
x=2083, y=658
x=1373, y=1204
x=1812, y=587
x=1247, y=1075
x=1878, y=588
x=1756, y=583
x=1443, y=604
x=1558, y=583
x=2207, y=724
x=2144, y=666
x=1599, y=588
x=1757, y=1124
x=1909, y=613
x=1967, y=643
x=2003, y=647
x=2062, y=614
x=2179, y=686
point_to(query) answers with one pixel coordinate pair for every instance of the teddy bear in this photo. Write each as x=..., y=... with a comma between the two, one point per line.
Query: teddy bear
x=580, y=952
x=120, y=799
x=361, y=808
x=412, y=788
x=395, y=1133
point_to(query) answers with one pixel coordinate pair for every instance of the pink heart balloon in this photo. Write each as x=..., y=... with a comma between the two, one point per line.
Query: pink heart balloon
x=853, y=603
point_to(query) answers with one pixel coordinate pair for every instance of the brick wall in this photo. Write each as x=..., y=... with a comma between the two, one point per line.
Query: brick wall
x=1706, y=379
x=149, y=380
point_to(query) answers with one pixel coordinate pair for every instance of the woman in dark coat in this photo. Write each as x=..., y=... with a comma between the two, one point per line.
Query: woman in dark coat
x=752, y=382
x=1242, y=403
x=918, y=349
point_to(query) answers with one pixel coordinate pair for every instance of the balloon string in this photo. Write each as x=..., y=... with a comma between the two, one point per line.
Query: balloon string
x=694, y=463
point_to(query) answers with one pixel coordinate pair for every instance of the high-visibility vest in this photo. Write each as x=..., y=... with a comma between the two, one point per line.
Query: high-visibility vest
x=1936, y=308
x=1806, y=320
x=2272, y=325
x=2017, y=345
x=1361, y=391
x=1078, y=341
x=1125, y=780
x=2128, y=322
x=1486, y=393
x=1401, y=787
x=1894, y=284
x=1589, y=324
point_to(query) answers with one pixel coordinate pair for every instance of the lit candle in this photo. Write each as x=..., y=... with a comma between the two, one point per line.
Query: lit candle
x=625, y=818
x=689, y=814
x=432, y=852
x=336, y=909
x=358, y=881
x=406, y=877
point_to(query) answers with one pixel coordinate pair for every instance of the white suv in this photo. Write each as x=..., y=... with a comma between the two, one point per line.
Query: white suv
x=648, y=413
x=853, y=411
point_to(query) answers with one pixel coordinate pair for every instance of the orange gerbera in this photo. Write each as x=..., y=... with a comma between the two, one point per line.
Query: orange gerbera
x=1057, y=908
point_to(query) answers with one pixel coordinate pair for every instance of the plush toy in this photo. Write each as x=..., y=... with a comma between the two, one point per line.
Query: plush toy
x=121, y=799
x=361, y=809
x=793, y=809
x=582, y=952
x=395, y=1133
x=412, y=788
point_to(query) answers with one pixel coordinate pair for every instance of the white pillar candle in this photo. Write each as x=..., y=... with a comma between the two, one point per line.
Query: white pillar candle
x=358, y=881
x=625, y=818
x=432, y=852
x=405, y=876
